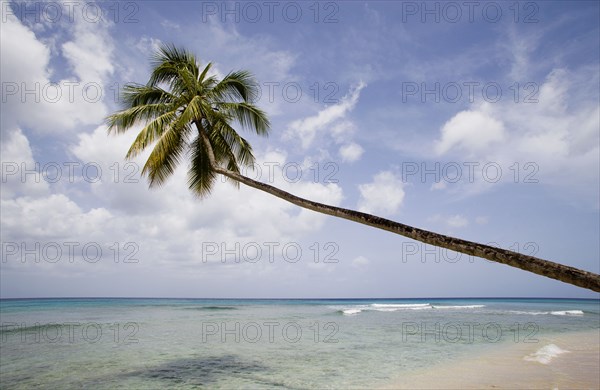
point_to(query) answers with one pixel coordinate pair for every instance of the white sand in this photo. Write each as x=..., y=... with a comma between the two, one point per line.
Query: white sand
x=506, y=367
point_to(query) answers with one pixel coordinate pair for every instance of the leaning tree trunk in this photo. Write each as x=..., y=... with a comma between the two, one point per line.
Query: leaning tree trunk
x=536, y=265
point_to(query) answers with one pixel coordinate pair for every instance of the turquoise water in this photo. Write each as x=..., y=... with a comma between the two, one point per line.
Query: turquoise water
x=298, y=344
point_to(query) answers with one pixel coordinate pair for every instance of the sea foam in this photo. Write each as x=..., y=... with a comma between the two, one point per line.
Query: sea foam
x=567, y=313
x=391, y=307
x=545, y=354
x=554, y=313
x=459, y=307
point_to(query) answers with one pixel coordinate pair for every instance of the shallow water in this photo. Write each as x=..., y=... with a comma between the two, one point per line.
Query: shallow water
x=192, y=343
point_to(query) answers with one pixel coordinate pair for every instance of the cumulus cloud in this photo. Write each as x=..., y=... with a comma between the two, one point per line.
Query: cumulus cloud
x=269, y=168
x=168, y=227
x=306, y=129
x=383, y=195
x=229, y=214
x=553, y=139
x=90, y=51
x=33, y=97
x=351, y=152
x=470, y=131
x=19, y=174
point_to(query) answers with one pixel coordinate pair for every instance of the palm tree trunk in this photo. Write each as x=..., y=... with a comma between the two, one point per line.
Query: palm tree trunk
x=536, y=265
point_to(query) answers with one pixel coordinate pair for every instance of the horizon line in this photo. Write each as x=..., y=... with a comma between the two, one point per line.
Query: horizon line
x=298, y=299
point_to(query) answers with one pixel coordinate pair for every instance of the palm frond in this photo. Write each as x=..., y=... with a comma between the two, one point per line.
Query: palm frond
x=241, y=148
x=201, y=176
x=151, y=132
x=138, y=94
x=122, y=121
x=169, y=63
x=236, y=86
x=248, y=116
x=165, y=156
x=205, y=72
x=179, y=96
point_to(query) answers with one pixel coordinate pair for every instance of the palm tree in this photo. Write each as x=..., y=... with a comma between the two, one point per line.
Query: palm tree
x=185, y=110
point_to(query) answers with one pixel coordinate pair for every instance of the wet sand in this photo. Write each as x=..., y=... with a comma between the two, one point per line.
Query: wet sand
x=506, y=367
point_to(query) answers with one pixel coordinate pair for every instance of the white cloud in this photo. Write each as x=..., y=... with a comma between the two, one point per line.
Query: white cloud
x=457, y=221
x=148, y=44
x=440, y=185
x=52, y=105
x=520, y=47
x=554, y=139
x=169, y=225
x=360, y=262
x=90, y=51
x=481, y=220
x=342, y=130
x=169, y=25
x=17, y=39
x=351, y=152
x=451, y=221
x=246, y=212
x=471, y=131
x=18, y=168
x=306, y=129
x=383, y=195
x=51, y=217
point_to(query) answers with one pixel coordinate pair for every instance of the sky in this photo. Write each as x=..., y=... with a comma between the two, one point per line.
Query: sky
x=478, y=120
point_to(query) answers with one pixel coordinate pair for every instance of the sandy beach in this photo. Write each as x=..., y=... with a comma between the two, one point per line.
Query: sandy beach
x=540, y=365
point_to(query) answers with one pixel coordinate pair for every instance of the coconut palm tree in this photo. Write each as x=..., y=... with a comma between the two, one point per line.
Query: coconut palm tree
x=186, y=111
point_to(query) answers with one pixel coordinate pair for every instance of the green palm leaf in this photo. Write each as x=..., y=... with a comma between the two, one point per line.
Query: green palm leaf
x=179, y=100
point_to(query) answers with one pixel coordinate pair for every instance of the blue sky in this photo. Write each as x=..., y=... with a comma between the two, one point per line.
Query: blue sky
x=479, y=121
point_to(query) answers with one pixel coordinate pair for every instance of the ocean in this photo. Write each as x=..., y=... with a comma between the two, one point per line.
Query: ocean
x=105, y=343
